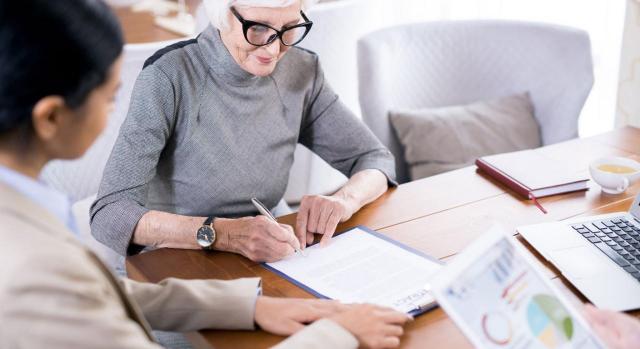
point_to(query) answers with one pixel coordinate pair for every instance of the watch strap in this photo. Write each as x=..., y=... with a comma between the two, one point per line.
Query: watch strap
x=208, y=221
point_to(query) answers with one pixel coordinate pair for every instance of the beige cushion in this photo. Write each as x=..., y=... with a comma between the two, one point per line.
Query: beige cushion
x=444, y=139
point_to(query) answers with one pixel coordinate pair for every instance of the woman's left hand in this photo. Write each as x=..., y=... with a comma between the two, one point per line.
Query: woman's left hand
x=320, y=214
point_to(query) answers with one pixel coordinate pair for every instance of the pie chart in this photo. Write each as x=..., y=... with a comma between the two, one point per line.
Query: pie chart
x=549, y=321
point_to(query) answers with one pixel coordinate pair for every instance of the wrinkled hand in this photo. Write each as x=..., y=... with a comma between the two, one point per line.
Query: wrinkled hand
x=375, y=327
x=617, y=330
x=285, y=316
x=257, y=238
x=320, y=214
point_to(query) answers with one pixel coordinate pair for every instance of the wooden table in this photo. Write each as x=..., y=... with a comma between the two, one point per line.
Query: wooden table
x=139, y=27
x=439, y=215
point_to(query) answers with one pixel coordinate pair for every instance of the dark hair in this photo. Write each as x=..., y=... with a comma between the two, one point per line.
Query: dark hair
x=52, y=47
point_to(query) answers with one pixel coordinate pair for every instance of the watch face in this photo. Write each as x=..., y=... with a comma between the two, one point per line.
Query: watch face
x=205, y=236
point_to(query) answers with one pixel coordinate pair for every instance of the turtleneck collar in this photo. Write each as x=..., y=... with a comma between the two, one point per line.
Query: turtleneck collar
x=220, y=60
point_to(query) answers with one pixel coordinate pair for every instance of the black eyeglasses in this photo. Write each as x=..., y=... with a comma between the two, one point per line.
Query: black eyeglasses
x=260, y=34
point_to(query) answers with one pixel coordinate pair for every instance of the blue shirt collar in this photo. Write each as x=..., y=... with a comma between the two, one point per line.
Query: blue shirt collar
x=37, y=191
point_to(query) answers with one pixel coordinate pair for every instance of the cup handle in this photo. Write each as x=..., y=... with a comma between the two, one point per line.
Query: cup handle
x=624, y=185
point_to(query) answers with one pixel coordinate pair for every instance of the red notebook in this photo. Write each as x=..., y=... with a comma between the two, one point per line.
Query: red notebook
x=532, y=175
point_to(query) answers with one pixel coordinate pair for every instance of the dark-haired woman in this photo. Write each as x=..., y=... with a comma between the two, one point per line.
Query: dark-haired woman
x=56, y=89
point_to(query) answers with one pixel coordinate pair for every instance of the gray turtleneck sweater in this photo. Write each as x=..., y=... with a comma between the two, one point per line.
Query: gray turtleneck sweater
x=203, y=136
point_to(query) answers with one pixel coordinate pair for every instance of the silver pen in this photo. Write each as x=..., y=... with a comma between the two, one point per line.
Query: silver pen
x=265, y=212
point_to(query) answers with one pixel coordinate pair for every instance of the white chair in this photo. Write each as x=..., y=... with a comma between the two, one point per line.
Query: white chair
x=80, y=178
x=202, y=19
x=458, y=62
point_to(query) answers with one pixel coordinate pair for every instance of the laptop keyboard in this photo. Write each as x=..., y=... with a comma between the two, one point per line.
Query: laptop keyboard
x=618, y=238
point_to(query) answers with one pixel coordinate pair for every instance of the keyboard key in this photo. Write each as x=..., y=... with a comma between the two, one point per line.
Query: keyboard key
x=624, y=220
x=609, y=224
x=627, y=230
x=633, y=233
x=602, y=235
x=606, y=239
x=611, y=254
x=612, y=235
x=583, y=231
x=588, y=235
x=617, y=248
x=594, y=239
x=599, y=225
x=624, y=244
x=577, y=226
x=616, y=229
x=611, y=243
x=591, y=228
x=629, y=258
x=615, y=221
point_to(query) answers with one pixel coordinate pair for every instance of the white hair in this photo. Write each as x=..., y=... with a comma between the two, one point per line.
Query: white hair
x=217, y=10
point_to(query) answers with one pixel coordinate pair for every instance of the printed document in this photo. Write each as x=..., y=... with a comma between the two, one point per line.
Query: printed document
x=362, y=266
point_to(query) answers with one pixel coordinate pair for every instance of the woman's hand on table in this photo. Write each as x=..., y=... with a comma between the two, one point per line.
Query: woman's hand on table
x=320, y=214
x=373, y=326
x=286, y=316
x=617, y=330
x=257, y=238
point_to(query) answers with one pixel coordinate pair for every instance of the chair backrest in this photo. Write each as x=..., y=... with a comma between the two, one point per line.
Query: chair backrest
x=201, y=17
x=81, y=178
x=337, y=26
x=458, y=62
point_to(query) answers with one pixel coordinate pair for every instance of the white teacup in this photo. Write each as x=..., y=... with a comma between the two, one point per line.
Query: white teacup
x=614, y=174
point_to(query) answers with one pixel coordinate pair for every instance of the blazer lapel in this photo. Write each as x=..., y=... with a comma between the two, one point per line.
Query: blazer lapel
x=133, y=311
x=33, y=214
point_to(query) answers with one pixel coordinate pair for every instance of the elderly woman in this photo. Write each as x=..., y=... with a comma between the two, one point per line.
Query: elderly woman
x=214, y=121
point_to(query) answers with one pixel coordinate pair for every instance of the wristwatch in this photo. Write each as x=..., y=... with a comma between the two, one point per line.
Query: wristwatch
x=206, y=234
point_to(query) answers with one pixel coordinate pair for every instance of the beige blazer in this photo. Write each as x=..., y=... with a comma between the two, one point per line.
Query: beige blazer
x=55, y=293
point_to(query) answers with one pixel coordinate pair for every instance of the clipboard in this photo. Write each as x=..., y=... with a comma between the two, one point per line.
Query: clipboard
x=417, y=300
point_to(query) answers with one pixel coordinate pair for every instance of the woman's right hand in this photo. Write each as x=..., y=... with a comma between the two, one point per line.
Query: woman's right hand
x=617, y=330
x=375, y=327
x=257, y=238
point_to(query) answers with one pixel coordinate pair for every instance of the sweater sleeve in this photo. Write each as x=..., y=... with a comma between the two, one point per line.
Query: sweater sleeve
x=332, y=131
x=122, y=196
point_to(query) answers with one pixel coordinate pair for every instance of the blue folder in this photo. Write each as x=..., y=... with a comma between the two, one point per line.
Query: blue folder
x=414, y=312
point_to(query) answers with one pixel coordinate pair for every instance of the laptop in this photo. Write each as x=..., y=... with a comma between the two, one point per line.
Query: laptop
x=599, y=255
x=500, y=299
